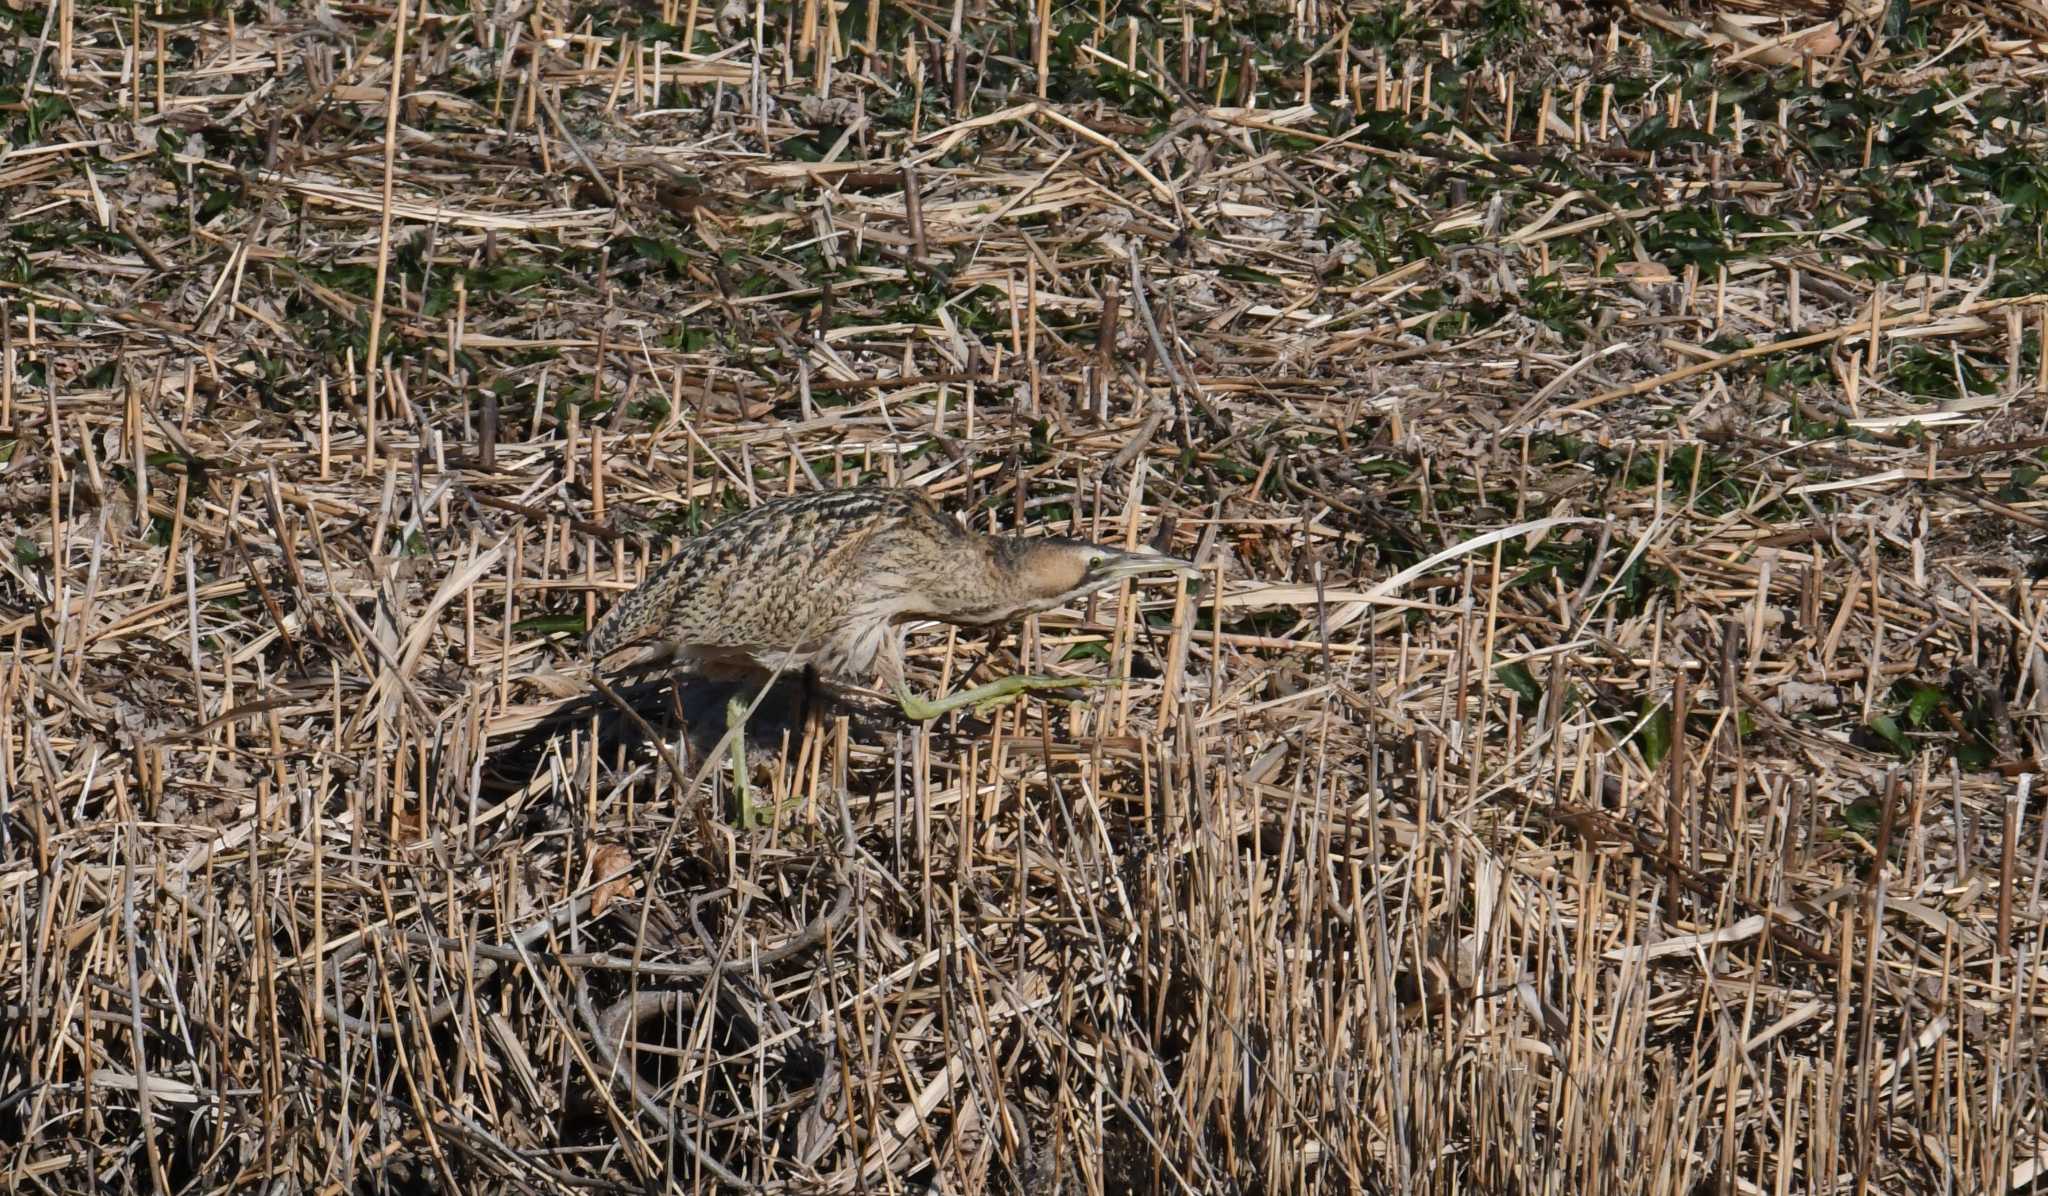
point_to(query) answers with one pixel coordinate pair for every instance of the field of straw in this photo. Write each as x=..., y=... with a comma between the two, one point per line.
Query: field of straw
x=1599, y=755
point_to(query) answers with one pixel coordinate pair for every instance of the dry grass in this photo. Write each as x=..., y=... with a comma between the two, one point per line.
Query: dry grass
x=1600, y=761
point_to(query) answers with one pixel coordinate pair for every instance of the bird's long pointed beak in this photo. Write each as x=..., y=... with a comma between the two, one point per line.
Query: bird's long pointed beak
x=1142, y=564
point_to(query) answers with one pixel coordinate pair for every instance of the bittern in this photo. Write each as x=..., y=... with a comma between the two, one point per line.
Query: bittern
x=832, y=580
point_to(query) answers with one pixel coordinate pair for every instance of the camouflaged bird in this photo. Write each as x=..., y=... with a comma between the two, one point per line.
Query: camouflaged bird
x=832, y=579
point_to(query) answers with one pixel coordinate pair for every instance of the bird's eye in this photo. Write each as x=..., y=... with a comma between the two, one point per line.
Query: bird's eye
x=1096, y=562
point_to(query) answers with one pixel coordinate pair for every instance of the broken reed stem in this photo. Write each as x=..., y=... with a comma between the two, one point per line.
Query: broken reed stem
x=373, y=358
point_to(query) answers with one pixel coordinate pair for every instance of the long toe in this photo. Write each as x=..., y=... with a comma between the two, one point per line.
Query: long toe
x=986, y=697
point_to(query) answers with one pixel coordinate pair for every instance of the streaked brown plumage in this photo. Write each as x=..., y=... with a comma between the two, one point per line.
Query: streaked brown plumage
x=831, y=578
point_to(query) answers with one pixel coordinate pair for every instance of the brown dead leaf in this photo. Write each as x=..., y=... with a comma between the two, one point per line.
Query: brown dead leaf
x=409, y=826
x=612, y=866
x=1776, y=49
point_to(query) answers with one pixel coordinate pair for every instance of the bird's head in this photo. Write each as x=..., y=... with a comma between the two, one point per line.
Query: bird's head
x=1049, y=572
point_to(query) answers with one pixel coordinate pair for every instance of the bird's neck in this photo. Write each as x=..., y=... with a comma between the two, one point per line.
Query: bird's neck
x=978, y=587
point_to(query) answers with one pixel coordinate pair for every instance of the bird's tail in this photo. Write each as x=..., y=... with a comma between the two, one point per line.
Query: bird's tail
x=632, y=620
x=604, y=636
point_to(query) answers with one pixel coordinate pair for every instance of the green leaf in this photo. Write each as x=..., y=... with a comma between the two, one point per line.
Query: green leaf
x=1923, y=702
x=550, y=624
x=1883, y=726
x=1654, y=738
x=500, y=280
x=1516, y=677
x=1863, y=816
x=1239, y=273
x=2016, y=488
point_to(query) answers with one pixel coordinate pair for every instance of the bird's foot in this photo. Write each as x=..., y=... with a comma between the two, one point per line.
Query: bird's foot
x=984, y=698
x=750, y=816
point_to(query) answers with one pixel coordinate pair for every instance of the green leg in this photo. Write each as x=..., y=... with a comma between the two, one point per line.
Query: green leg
x=983, y=697
x=736, y=724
